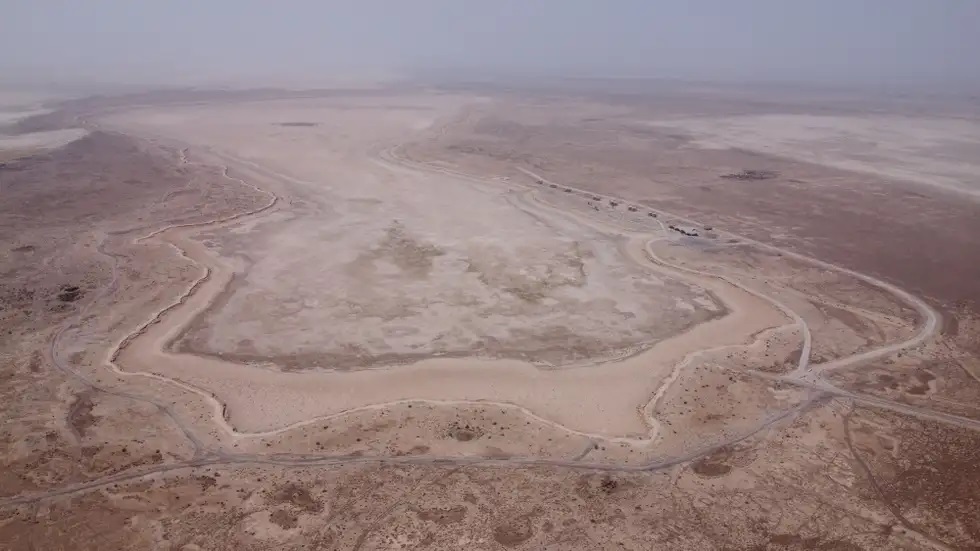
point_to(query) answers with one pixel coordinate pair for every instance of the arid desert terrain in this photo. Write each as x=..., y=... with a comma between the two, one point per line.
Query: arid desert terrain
x=426, y=316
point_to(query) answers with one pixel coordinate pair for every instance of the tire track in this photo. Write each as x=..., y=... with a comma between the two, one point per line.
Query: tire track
x=326, y=460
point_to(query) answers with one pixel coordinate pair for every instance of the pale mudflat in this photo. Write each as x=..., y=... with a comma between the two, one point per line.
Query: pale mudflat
x=941, y=152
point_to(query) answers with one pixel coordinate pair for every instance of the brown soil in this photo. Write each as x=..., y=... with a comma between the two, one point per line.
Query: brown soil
x=298, y=497
x=848, y=318
x=935, y=480
x=284, y=519
x=80, y=415
x=513, y=533
x=443, y=516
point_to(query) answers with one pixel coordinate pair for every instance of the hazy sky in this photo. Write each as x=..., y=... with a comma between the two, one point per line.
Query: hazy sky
x=162, y=40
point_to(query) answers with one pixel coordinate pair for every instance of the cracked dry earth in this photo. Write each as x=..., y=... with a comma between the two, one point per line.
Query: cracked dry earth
x=368, y=321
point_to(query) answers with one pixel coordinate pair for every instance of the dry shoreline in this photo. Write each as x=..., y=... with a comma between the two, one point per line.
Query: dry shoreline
x=606, y=402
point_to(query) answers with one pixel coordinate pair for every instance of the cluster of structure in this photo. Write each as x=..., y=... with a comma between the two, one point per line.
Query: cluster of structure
x=632, y=208
x=682, y=231
x=751, y=175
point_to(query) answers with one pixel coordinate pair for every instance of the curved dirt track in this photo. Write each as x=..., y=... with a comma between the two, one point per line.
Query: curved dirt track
x=929, y=328
x=325, y=460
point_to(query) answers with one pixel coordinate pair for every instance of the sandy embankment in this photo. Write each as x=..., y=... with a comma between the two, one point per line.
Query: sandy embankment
x=602, y=400
x=34, y=140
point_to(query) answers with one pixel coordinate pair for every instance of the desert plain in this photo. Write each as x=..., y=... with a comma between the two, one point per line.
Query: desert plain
x=534, y=316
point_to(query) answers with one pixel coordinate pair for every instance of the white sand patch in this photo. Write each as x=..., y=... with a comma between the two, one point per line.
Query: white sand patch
x=10, y=116
x=44, y=140
x=935, y=151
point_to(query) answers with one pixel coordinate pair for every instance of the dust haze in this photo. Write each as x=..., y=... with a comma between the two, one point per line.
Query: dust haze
x=510, y=275
x=306, y=42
